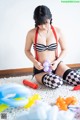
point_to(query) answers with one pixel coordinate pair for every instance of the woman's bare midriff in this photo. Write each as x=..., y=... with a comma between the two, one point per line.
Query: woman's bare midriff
x=46, y=55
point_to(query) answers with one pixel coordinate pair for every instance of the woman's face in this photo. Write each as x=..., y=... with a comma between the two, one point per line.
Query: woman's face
x=45, y=26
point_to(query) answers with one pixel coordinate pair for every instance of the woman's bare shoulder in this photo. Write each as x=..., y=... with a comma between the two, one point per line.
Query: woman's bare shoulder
x=31, y=31
x=57, y=29
x=31, y=34
x=60, y=34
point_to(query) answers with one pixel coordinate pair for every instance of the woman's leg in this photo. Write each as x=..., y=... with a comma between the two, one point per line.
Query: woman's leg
x=52, y=80
x=71, y=76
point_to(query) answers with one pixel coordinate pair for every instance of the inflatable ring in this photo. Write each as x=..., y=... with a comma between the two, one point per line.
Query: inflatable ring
x=9, y=93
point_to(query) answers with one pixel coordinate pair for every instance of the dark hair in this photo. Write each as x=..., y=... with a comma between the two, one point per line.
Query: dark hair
x=41, y=14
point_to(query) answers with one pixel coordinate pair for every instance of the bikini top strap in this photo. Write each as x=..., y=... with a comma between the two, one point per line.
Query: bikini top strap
x=36, y=35
x=56, y=52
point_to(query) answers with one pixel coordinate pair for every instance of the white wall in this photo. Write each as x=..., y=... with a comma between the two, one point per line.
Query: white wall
x=16, y=18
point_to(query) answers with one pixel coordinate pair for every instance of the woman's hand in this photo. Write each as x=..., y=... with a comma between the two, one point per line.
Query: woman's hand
x=38, y=65
x=54, y=65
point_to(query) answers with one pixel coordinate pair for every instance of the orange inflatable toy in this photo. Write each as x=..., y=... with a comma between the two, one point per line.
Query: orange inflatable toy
x=63, y=103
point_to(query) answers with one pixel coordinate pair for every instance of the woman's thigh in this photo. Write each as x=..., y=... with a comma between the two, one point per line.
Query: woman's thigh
x=39, y=76
x=61, y=69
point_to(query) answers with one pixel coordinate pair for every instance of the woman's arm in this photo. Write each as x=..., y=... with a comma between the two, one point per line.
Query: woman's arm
x=63, y=46
x=63, y=49
x=28, y=44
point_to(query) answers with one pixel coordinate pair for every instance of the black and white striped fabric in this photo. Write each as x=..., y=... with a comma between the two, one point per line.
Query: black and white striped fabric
x=42, y=47
x=52, y=80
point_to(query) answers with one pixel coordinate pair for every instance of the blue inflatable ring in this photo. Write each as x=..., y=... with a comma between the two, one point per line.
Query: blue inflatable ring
x=9, y=92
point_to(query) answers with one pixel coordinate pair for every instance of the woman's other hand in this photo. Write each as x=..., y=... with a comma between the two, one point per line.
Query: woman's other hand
x=38, y=65
x=54, y=65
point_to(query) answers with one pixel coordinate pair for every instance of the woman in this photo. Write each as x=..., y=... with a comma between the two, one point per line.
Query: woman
x=45, y=38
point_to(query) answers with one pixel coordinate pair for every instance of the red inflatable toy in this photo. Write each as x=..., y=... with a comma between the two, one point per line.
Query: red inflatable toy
x=30, y=84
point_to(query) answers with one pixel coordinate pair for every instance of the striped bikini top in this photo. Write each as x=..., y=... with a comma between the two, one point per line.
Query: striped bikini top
x=41, y=47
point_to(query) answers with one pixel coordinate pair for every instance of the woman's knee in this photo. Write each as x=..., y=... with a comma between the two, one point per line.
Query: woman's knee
x=71, y=77
x=52, y=81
